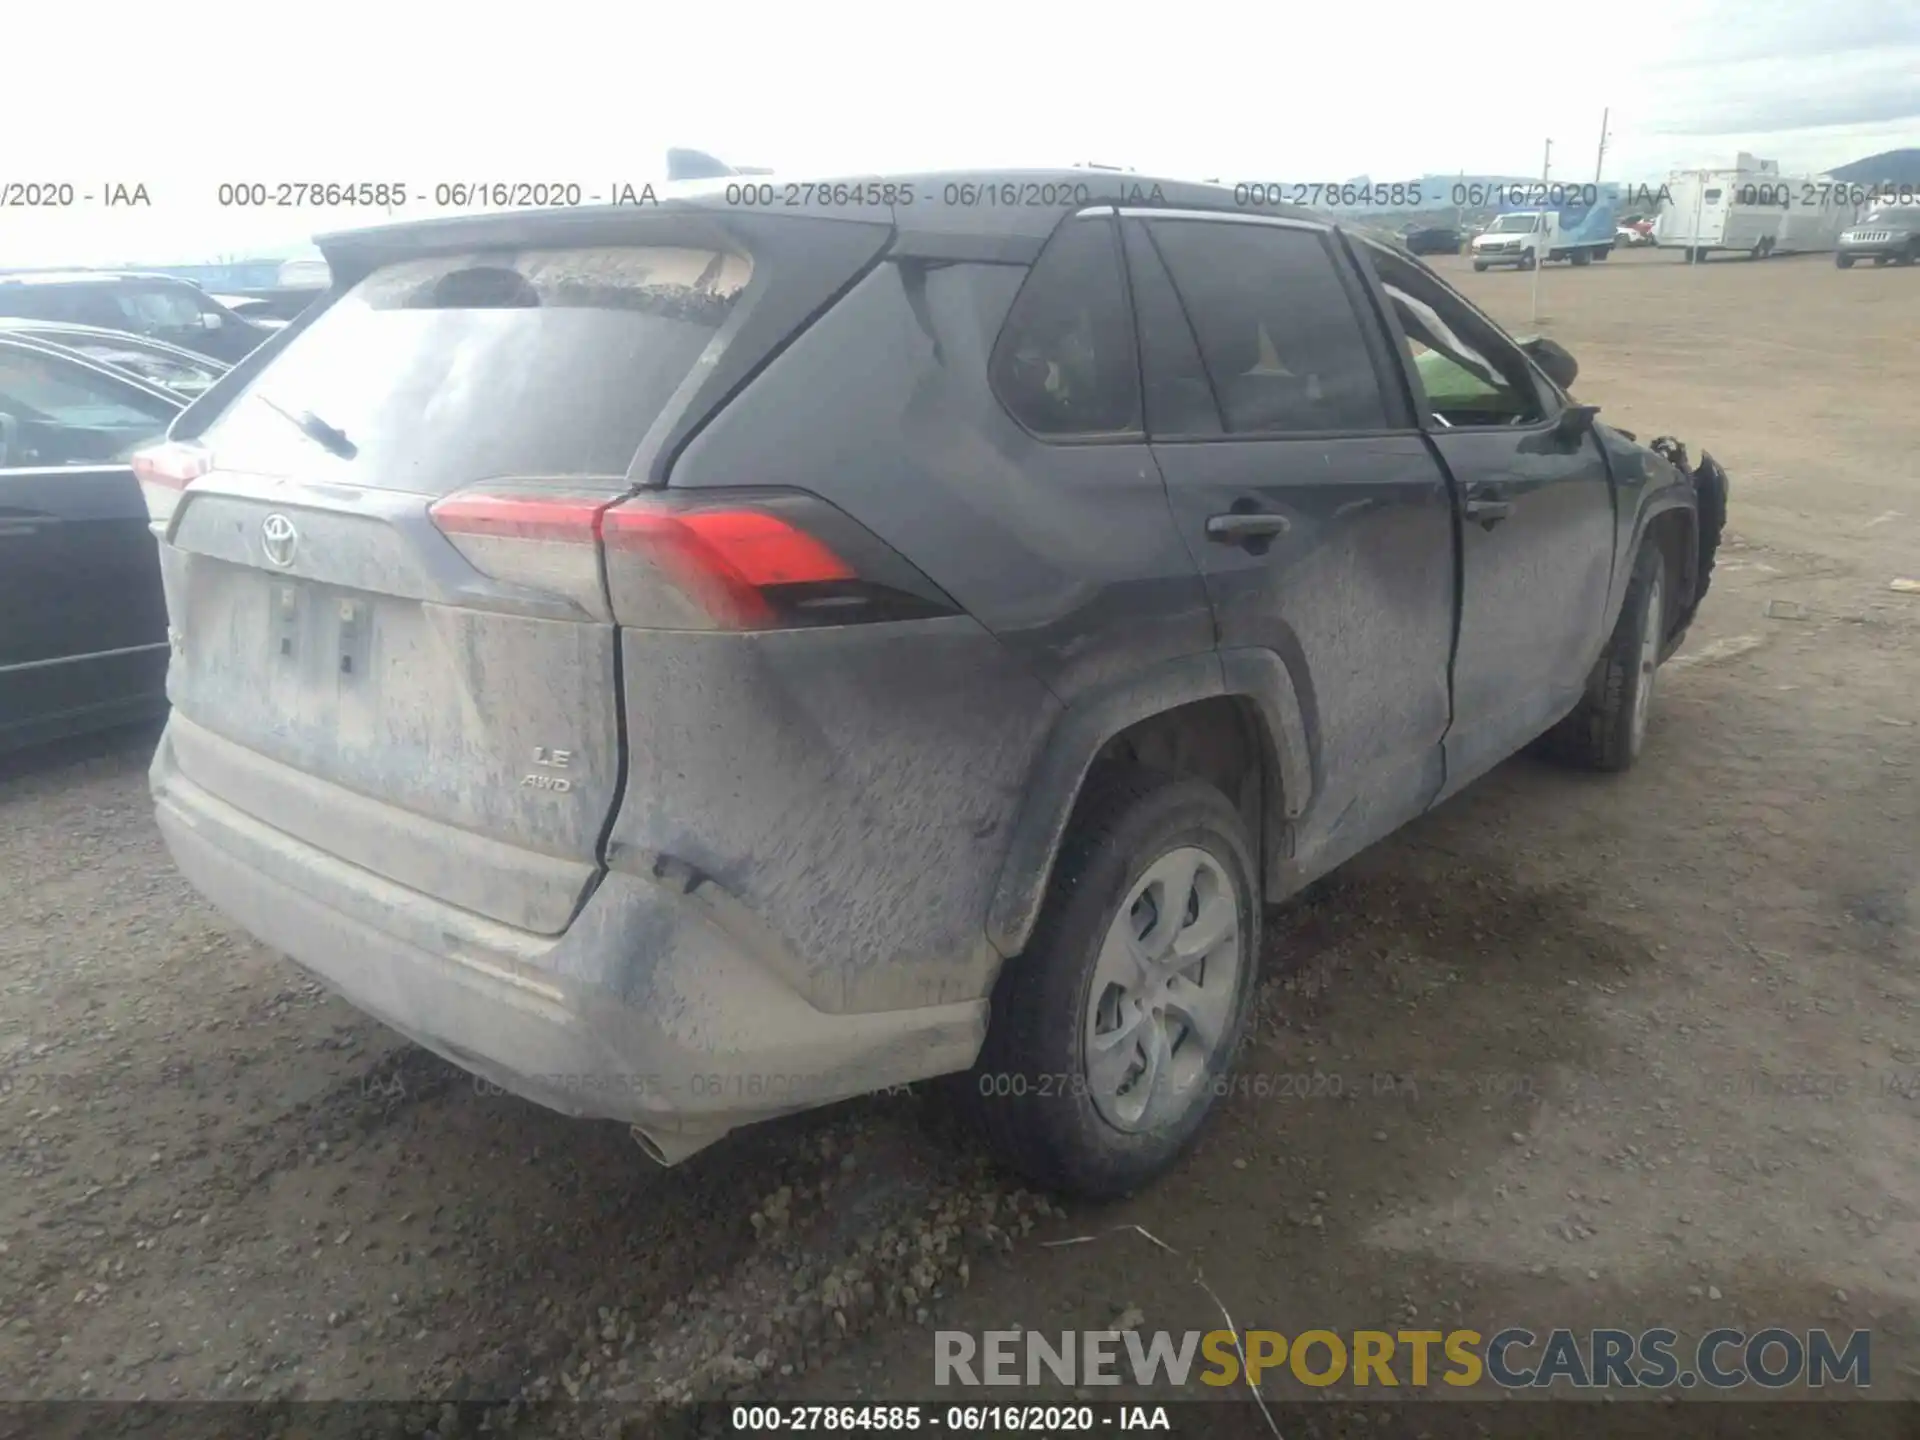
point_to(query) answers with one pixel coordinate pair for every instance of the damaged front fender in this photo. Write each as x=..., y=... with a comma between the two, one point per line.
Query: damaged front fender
x=1709, y=481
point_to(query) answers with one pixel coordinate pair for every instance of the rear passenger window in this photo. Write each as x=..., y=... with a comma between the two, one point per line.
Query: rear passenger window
x=1064, y=365
x=1282, y=347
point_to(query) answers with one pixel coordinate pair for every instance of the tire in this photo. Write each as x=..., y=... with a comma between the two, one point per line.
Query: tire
x=1582, y=257
x=1039, y=1096
x=1480, y=265
x=1843, y=262
x=1880, y=260
x=1608, y=728
x=1528, y=261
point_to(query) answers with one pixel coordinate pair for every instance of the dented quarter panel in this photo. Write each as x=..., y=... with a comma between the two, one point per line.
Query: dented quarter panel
x=1066, y=556
x=838, y=799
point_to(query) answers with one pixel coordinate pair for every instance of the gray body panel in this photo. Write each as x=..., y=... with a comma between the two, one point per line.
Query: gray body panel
x=809, y=851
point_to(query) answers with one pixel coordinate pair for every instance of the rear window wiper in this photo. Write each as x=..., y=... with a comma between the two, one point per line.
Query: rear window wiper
x=329, y=438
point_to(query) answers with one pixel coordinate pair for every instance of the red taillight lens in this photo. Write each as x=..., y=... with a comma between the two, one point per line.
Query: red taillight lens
x=714, y=560
x=725, y=560
x=164, y=471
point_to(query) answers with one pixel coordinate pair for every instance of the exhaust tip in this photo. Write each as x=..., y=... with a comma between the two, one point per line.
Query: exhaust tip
x=649, y=1146
x=669, y=1148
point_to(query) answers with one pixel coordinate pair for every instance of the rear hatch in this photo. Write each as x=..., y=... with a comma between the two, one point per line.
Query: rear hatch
x=393, y=639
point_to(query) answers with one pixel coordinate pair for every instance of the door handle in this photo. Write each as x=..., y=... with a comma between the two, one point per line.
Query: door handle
x=1241, y=525
x=33, y=525
x=1488, y=512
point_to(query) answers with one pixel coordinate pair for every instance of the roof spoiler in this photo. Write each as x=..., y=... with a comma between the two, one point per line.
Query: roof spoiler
x=698, y=165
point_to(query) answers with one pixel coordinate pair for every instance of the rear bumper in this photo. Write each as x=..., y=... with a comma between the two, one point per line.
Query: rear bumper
x=647, y=1010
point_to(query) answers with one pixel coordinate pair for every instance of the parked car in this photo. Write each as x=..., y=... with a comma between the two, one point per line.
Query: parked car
x=83, y=626
x=160, y=307
x=1435, y=240
x=183, y=372
x=255, y=308
x=1634, y=237
x=1886, y=235
x=694, y=666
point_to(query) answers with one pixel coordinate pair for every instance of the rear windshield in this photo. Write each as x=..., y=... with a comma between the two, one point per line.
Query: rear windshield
x=434, y=373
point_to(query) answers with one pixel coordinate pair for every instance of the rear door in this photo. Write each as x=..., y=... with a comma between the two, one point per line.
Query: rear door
x=384, y=652
x=1318, y=515
x=1537, y=511
x=82, y=623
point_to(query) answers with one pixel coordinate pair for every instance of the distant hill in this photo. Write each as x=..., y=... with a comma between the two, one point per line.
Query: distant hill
x=1890, y=167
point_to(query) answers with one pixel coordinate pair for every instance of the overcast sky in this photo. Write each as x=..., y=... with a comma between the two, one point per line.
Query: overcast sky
x=189, y=94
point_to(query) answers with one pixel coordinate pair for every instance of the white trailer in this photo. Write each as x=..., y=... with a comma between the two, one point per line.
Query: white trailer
x=1753, y=209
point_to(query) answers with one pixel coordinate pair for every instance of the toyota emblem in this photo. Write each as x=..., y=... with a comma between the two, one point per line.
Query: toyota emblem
x=279, y=537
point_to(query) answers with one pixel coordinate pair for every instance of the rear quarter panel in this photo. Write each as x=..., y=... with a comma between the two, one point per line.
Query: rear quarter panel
x=857, y=788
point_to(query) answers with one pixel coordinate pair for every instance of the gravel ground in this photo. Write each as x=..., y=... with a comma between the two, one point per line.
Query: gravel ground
x=1655, y=1038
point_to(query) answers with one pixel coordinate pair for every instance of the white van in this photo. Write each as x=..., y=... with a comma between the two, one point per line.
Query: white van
x=1754, y=210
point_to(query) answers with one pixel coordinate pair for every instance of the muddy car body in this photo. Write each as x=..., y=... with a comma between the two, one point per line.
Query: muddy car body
x=692, y=662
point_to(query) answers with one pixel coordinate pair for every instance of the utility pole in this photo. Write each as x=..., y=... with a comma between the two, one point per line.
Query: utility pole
x=1540, y=256
x=1601, y=159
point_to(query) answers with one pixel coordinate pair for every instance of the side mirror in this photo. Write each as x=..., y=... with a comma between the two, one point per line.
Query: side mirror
x=1575, y=421
x=211, y=319
x=1552, y=358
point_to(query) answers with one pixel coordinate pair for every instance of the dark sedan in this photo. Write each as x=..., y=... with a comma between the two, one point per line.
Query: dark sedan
x=160, y=307
x=83, y=625
x=185, y=372
x=1434, y=240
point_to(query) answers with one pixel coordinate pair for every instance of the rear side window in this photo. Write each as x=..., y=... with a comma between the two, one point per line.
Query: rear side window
x=180, y=373
x=42, y=302
x=1064, y=364
x=1278, y=336
x=443, y=371
x=67, y=414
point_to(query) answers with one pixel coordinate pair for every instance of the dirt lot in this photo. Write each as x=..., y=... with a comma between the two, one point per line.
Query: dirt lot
x=1656, y=1038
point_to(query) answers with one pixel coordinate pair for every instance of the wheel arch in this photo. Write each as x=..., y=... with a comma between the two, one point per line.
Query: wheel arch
x=1234, y=718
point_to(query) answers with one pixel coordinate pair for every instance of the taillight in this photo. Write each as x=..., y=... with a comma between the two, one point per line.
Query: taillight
x=714, y=560
x=754, y=560
x=543, y=537
x=164, y=471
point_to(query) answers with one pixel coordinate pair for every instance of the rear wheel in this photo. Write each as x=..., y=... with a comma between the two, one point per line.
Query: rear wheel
x=1609, y=726
x=1111, y=1033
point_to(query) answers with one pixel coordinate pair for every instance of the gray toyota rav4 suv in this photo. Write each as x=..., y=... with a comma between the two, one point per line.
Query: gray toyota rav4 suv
x=692, y=661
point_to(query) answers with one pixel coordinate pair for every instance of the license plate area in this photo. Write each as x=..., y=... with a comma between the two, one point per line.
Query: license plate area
x=319, y=638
